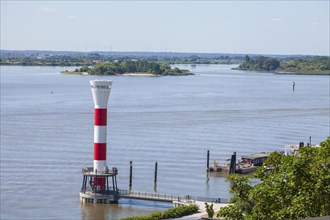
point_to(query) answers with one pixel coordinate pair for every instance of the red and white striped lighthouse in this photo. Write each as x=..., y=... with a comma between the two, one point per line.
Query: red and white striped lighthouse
x=96, y=186
x=101, y=91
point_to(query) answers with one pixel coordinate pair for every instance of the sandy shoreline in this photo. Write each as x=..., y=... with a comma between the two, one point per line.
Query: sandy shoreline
x=137, y=74
x=124, y=74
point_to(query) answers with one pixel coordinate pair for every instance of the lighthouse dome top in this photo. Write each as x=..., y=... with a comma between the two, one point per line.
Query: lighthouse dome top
x=101, y=84
x=101, y=91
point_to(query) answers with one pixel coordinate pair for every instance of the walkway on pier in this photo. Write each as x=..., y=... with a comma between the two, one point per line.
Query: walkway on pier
x=159, y=197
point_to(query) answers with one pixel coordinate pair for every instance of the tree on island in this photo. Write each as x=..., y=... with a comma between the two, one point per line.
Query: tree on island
x=115, y=68
x=286, y=187
x=316, y=65
x=260, y=63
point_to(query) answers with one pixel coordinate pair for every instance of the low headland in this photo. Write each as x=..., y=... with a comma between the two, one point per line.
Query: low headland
x=298, y=66
x=130, y=68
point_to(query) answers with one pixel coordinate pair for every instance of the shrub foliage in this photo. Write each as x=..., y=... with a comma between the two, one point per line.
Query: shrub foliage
x=287, y=187
x=167, y=214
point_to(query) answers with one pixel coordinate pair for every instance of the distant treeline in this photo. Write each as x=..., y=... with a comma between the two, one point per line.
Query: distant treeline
x=115, y=68
x=275, y=63
x=87, y=59
x=315, y=65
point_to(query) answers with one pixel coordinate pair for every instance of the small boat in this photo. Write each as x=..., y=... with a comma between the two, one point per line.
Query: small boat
x=247, y=164
x=293, y=149
x=250, y=163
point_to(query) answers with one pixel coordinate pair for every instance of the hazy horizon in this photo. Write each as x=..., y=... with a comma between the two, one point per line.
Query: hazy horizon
x=174, y=52
x=226, y=27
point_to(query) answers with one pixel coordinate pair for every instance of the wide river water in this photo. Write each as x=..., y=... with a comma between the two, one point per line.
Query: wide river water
x=47, y=133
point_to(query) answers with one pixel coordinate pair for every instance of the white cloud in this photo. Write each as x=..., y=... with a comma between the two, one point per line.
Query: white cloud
x=47, y=9
x=72, y=17
x=276, y=19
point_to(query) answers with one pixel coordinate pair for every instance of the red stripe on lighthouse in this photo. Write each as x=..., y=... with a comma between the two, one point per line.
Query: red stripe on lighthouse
x=100, y=151
x=100, y=116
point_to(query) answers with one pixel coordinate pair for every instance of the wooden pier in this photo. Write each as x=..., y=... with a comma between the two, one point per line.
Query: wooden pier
x=160, y=197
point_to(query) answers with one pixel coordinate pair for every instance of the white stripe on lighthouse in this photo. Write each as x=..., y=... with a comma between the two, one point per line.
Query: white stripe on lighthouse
x=100, y=134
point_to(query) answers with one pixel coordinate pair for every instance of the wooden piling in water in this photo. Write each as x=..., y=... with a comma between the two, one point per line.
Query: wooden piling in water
x=155, y=176
x=130, y=174
x=208, y=161
x=232, y=167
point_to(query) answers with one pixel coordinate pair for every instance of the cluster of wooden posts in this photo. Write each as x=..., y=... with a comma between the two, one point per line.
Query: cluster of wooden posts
x=232, y=167
x=131, y=175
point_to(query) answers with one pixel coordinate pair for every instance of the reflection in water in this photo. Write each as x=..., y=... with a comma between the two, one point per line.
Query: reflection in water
x=155, y=187
x=207, y=182
x=125, y=208
x=94, y=211
x=219, y=174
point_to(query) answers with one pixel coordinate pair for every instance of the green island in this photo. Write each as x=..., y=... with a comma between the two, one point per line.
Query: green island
x=312, y=66
x=130, y=67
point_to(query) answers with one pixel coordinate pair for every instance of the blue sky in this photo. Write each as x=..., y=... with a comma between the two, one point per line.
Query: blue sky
x=258, y=27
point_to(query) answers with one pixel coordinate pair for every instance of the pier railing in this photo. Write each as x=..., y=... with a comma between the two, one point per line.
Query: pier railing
x=129, y=194
x=106, y=190
x=90, y=171
x=149, y=196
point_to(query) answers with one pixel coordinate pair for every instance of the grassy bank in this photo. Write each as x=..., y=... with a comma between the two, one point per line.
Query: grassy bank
x=72, y=72
x=286, y=72
x=310, y=72
x=167, y=214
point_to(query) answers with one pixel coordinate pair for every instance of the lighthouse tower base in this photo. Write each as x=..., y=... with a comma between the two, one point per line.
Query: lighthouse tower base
x=91, y=192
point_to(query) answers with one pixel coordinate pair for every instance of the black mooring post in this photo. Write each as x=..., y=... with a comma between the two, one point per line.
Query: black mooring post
x=155, y=177
x=232, y=167
x=130, y=174
x=310, y=140
x=208, y=161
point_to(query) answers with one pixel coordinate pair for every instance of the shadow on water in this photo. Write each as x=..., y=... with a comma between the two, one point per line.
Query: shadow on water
x=124, y=208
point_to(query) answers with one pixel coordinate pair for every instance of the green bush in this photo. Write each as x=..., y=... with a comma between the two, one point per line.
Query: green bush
x=230, y=213
x=305, y=179
x=209, y=210
x=167, y=214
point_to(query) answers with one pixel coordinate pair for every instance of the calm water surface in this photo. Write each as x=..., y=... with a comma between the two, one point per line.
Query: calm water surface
x=47, y=133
